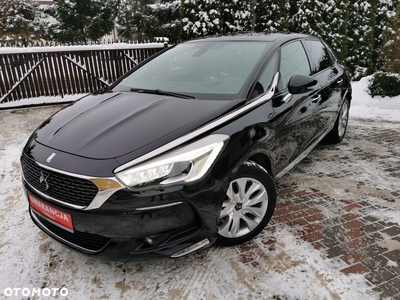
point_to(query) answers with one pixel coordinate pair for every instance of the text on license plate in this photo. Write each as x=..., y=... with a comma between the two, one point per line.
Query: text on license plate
x=52, y=213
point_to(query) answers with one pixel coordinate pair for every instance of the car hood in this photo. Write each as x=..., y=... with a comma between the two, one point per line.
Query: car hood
x=114, y=124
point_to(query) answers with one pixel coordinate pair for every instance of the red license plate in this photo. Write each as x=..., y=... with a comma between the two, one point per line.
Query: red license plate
x=59, y=217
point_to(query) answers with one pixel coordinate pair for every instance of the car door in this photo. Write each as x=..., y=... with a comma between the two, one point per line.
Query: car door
x=294, y=120
x=331, y=78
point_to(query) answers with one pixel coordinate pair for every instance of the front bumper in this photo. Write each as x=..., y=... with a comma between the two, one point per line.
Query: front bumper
x=176, y=221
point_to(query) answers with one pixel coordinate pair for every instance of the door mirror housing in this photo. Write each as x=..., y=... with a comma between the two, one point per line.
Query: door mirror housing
x=300, y=84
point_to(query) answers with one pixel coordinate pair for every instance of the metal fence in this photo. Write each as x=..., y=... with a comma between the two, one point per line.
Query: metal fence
x=58, y=71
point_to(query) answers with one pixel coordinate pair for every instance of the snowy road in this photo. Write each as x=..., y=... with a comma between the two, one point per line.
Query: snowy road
x=335, y=234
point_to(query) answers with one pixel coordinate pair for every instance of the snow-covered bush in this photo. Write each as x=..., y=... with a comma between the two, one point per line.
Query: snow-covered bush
x=384, y=84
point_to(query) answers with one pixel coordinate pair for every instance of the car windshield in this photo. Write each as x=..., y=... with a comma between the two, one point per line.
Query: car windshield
x=202, y=69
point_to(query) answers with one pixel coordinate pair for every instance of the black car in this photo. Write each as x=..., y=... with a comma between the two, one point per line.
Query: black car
x=183, y=150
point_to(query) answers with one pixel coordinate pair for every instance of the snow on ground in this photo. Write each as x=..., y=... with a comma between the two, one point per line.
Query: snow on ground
x=294, y=270
x=366, y=107
x=41, y=100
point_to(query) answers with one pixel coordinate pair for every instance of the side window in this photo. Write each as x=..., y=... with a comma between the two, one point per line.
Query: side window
x=266, y=77
x=319, y=56
x=294, y=61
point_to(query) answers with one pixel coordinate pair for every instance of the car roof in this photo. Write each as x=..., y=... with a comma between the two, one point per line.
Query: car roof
x=254, y=36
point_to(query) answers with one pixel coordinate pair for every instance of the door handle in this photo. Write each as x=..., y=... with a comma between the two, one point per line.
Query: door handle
x=316, y=98
x=287, y=98
x=340, y=81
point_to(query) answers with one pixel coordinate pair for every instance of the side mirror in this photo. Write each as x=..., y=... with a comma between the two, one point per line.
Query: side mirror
x=300, y=84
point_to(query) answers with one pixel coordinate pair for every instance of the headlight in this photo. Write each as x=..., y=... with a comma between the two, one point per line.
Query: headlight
x=185, y=164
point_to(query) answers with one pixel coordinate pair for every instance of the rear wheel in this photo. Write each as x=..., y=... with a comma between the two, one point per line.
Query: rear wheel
x=339, y=130
x=249, y=204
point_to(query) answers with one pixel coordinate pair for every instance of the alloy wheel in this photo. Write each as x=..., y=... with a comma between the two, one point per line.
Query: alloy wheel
x=244, y=207
x=343, y=119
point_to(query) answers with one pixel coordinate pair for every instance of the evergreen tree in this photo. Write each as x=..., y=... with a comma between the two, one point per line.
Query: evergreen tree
x=390, y=49
x=81, y=20
x=306, y=16
x=384, y=11
x=335, y=18
x=236, y=15
x=18, y=22
x=360, y=38
x=135, y=21
x=200, y=18
x=166, y=19
x=271, y=16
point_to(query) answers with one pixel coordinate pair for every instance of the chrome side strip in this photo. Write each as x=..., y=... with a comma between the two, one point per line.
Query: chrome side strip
x=192, y=248
x=58, y=238
x=303, y=155
x=159, y=206
x=181, y=140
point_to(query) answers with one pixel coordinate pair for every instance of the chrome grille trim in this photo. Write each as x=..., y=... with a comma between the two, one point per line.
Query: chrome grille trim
x=51, y=198
x=98, y=200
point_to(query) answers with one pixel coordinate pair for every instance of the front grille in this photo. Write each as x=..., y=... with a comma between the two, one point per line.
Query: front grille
x=84, y=240
x=62, y=187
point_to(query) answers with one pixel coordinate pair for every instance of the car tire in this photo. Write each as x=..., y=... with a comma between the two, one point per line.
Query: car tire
x=338, y=132
x=248, y=207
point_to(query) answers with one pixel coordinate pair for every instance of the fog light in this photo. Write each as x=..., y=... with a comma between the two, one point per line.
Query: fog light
x=149, y=241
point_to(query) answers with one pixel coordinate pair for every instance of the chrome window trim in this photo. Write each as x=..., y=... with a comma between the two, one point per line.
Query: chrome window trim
x=183, y=139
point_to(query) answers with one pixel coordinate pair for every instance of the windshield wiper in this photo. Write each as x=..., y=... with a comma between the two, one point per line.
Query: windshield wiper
x=161, y=92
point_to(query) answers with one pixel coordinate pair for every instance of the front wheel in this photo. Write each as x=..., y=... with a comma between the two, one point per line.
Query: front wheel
x=248, y=207
x=339, y=130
